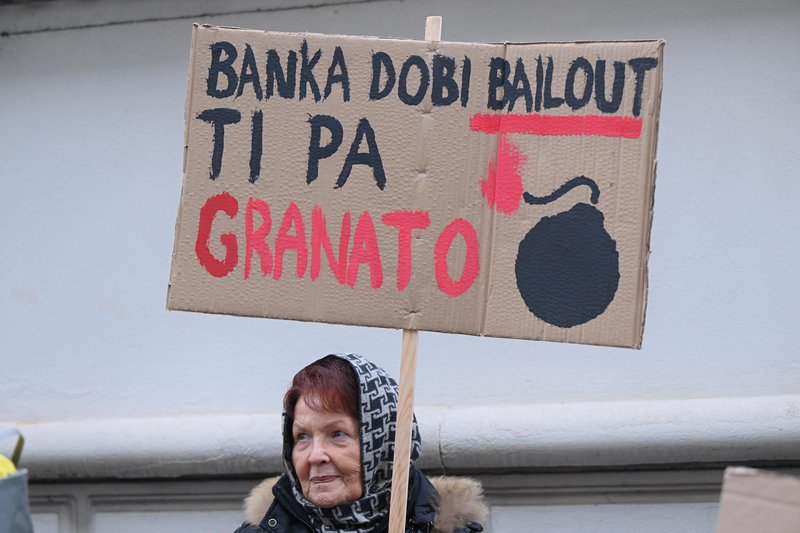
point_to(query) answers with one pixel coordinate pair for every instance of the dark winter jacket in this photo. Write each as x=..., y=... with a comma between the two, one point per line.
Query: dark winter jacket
x=439, y=505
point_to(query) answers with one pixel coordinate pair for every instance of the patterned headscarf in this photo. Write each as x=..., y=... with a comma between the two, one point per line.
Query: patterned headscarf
x=378, y=410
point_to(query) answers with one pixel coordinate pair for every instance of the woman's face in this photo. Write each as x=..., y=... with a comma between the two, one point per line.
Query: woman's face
x=326, y=455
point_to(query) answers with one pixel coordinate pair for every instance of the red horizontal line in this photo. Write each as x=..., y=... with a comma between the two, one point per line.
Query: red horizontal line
x=534, y=124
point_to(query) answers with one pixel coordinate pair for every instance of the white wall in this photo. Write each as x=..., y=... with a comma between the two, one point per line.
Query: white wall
x=90, y=172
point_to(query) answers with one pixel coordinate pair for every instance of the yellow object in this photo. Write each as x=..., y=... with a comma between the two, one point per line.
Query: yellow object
x=6, y=467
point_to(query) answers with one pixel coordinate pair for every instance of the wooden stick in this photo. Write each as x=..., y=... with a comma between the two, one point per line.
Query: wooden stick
x=402, y=441
x=407, y=384
x=433, y=29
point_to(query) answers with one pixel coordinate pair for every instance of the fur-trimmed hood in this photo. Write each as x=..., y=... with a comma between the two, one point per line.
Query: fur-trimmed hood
x=459, y=501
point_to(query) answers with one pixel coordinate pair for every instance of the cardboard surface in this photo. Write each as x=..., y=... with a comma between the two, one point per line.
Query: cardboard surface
x=758, y=501
x=486, y=189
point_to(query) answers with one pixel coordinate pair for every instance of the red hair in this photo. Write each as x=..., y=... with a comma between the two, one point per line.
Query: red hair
x=329, y=384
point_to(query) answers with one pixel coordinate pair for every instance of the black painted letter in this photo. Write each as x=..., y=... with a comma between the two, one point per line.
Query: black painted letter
x=315, y=150
x=550, y=101
x=341, y=77
x=381, y=59
x=275, y=74
x=537, y=105
x=249, y=73
x=424, y=79
x=307, y=72
x=444, y=90
x=372, y=158
x=640, y=66
x=256, y=146
x=219, y=118
x=569, y=89
x=221, y=66
x=466, y=70
x=600, y=86
x=520, y=87
x=498, y=79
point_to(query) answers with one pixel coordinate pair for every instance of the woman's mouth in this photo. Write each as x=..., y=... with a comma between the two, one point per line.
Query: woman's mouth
x=322, y=479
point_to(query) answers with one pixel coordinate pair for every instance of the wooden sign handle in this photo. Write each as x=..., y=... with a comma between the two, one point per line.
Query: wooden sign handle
x=402, y=441
x=407, y=383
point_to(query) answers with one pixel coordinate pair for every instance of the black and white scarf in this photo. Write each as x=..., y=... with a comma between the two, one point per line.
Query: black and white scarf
x=378, y=406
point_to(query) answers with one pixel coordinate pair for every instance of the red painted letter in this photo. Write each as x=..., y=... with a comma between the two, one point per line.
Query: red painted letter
x=297, y=242
x=503, y=187
x=320, y=240
x=406, y=221
x=257, y=240
x=471, y=262
x=228, y=204
x=365, y=250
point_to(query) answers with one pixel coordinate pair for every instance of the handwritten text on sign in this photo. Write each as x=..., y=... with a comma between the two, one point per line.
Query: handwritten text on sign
x=327, y=164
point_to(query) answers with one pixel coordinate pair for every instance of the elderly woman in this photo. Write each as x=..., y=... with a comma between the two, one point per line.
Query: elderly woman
x=338, y=446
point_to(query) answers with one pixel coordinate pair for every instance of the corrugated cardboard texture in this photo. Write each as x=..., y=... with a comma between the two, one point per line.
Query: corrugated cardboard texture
x=429, y=228
x=757, y=501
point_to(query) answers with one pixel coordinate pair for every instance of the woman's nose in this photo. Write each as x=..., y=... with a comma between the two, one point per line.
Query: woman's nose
x=318, y=453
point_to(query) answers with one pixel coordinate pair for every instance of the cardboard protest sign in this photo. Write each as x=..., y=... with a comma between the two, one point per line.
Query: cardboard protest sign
x=487, y=189
x=757, y=500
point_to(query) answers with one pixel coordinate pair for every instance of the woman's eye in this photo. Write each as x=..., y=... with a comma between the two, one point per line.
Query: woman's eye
x=339, y=433
x=300, y=436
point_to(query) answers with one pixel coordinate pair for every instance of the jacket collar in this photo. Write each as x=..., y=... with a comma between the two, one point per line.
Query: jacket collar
x=446, y=501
